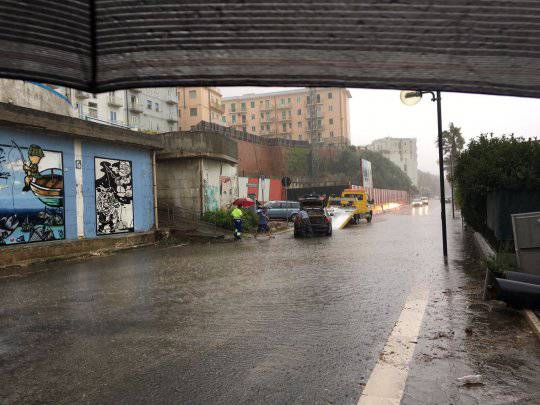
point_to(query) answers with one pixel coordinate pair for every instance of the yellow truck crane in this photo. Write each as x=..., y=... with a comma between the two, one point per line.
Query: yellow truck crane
x=353, y=206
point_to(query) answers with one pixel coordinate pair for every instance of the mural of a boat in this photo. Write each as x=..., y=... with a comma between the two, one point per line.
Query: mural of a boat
x=49, y=188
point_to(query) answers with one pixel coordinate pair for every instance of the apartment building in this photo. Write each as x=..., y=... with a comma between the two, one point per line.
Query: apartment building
x=151, y=110
x=198, y=104
x=312, y=114
x=401, y=151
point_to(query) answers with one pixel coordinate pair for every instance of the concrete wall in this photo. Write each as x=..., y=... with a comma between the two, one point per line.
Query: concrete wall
x=191, y=186
x=69, y=161
x=28, y=94
x=200, y=143
x=179, y=185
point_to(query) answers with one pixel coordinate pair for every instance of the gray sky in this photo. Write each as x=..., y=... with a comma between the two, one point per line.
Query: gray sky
x=379, y=113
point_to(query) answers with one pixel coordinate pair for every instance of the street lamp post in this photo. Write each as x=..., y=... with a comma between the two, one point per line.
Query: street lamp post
x=412, y=97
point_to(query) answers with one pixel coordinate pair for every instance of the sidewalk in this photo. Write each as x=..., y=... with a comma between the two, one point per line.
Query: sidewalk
x=463, y=335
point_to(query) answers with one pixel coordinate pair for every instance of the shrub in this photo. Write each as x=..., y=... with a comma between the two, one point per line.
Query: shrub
x=490, y=164
x=223, y=218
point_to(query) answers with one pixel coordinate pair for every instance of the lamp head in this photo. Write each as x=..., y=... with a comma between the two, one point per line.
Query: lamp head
x=410, y=97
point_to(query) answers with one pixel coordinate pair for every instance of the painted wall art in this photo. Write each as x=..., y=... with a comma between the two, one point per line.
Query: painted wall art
x=31, y=194
x=114, y=196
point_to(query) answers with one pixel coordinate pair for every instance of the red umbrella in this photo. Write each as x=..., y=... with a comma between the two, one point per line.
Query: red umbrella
x=243, y=202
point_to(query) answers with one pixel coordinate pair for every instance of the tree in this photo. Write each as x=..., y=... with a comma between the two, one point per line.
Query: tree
x=452, y=145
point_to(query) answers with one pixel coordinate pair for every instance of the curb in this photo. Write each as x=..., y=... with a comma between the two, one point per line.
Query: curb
x=488, y=253
x=533, y=321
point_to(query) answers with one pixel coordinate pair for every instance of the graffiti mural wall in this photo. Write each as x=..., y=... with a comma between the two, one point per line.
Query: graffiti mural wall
x=31, y=194
x=114, y=196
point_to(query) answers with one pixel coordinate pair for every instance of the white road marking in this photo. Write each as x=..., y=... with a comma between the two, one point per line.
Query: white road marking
x=387, y=380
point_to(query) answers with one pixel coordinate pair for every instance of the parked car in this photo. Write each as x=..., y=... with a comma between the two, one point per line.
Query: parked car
x=416, y=202
x=282, y=209
x=425, y=201
x=320, y=219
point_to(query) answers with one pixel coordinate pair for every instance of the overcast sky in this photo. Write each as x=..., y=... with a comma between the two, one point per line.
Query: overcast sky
x=379, y=113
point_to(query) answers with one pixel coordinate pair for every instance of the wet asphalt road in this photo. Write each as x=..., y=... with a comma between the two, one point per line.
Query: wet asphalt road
x=279, y=320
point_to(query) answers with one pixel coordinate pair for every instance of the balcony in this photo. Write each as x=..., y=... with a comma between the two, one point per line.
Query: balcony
x=171, y=100
x=136, y=91
x=136, y=107
x=267, y=108
x=82, y=95
x=317, y=128
x=218, y=107
x=283, y=106
x=114, y=101
x=172, y=119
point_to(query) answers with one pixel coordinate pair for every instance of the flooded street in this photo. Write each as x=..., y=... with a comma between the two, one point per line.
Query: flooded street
x=279, y=320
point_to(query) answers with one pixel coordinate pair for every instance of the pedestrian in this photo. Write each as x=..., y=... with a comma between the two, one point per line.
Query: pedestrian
x=262, y=215
x=305, y=222
x=237, y=214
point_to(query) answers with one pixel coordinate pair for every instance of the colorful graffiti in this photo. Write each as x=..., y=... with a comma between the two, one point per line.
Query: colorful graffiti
x=114, y=196
x=31, y=194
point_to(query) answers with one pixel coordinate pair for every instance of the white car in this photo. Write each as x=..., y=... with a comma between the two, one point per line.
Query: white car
x=416, y=202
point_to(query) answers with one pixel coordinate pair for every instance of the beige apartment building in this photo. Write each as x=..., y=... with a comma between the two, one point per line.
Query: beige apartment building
x=309, y=114
x=196, y=104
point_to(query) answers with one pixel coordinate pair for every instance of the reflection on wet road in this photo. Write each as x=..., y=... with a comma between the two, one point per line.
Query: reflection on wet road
x=259, y=321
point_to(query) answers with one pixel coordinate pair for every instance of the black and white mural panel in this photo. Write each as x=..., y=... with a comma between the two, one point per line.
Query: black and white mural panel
x=114, y=196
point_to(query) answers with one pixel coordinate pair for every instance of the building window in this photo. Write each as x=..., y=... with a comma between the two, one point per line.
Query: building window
x=193, y=94
x=318, y=98
x=300, y=137
x=298, y=100
x=252, y=117
x=267, y=103
x=92, y=110
x=262, y=127
x=405, y=167
x=299, y=124
x=331, y=134
x=289, y=100
x=282, y=101
x=253, y=129
x=330, y=108
x=193, y=112
x=268, y=127
x=252, y=104
x=223, y=119
x=170, y=129
x=157, y=106
x=243, y=119
x=233, y=107
x=149, y=104
x=244, y=129
x=112, y=116
x=134, y=99
x=284, y=126
x=243, y=106
x=233, y=118
x=329, y=95
x=262, y=116
x=299, y=112
x=290, y=125
x=331, y=121
x=284, y=114
x=267, y=116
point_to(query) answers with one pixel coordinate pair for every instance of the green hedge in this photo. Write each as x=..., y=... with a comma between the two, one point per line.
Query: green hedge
x=223, y=218
x=490, y=164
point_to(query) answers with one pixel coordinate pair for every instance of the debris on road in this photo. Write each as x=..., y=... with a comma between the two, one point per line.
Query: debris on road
x=473, y=379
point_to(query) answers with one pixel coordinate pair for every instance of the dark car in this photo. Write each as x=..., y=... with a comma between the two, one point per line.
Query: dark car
x=319, y=218
x=282, y=209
